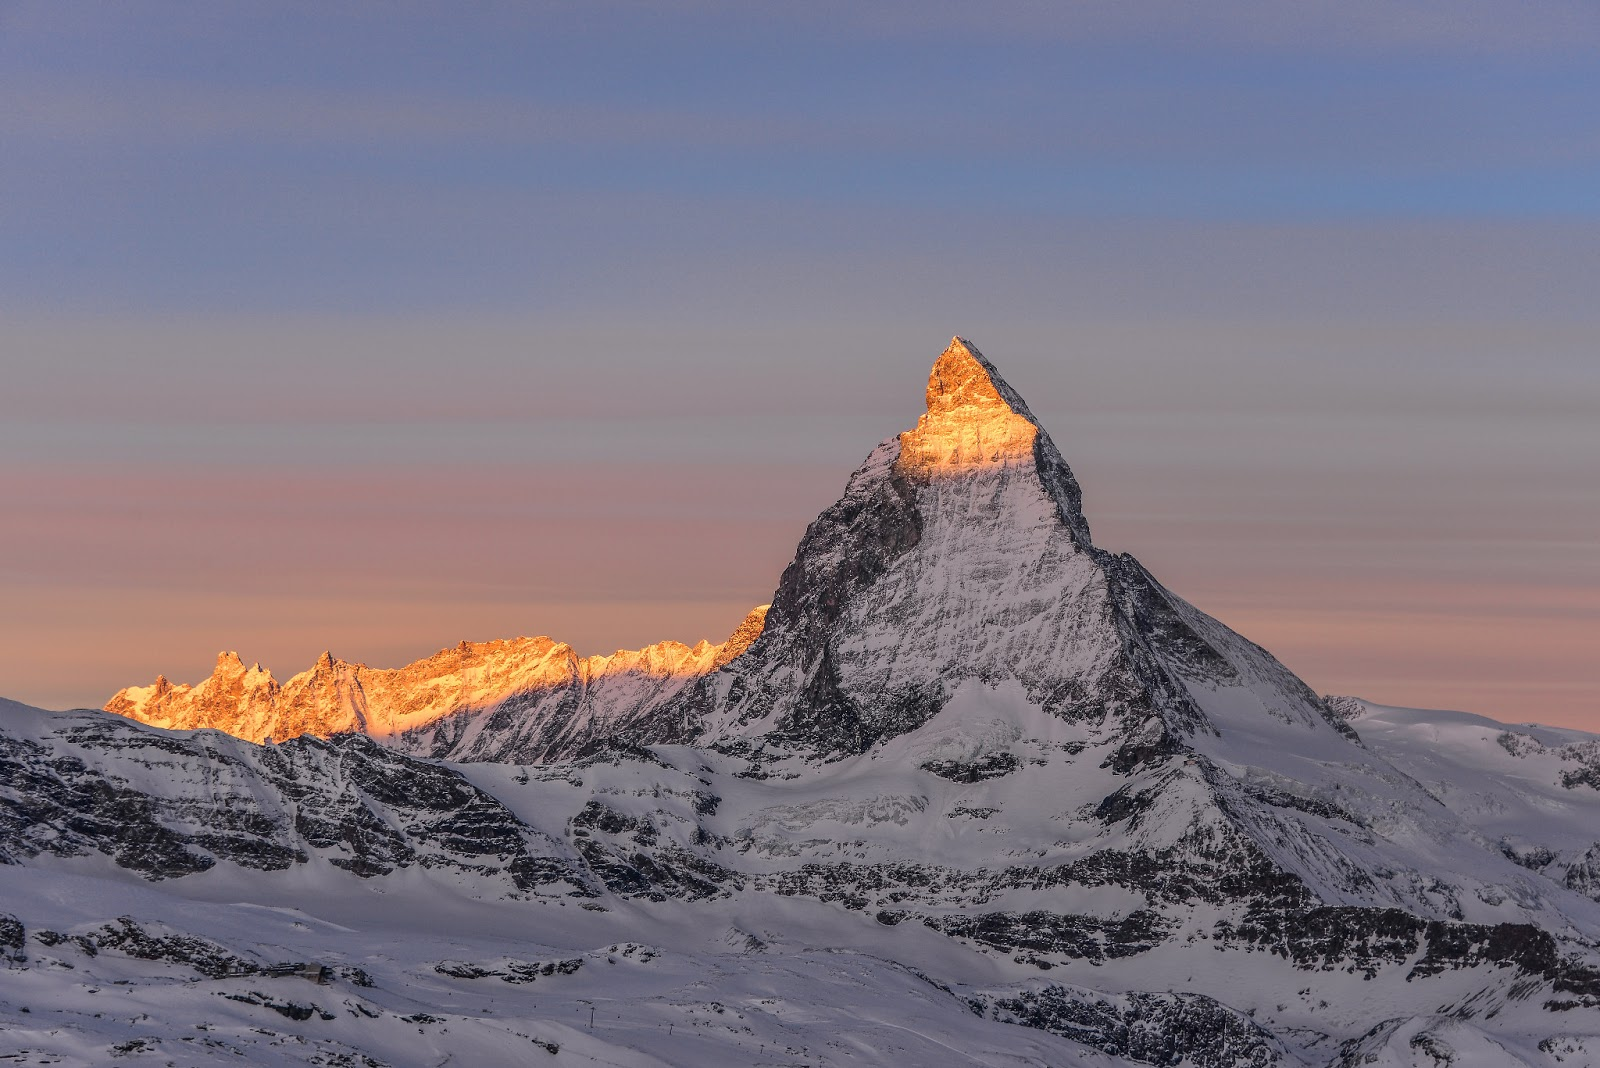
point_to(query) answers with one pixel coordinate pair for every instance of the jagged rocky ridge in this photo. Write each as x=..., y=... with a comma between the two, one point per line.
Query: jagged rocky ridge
x=537, y=697
x=963, y=728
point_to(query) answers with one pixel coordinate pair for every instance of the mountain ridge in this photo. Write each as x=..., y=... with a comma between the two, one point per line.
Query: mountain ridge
x=336, y=696
x=999, y=503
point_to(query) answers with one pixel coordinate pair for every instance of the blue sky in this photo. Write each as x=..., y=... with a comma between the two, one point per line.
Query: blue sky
x=1306, y=293
x=285, y=157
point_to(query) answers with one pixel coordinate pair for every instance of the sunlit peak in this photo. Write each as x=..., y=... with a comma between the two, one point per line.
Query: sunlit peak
x=970, y=422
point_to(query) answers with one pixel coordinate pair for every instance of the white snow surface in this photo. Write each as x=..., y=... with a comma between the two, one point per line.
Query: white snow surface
x=760, y=976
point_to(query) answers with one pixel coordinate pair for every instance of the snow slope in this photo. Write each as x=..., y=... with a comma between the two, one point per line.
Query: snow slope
x=868, y=910
x=1526, y=791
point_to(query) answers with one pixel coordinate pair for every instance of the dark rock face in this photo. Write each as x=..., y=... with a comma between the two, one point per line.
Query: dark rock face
x=1587, y=775
x=1226, y=869
x=51, y=939
x=1147, y=1028
x=1071, y=937
x=1534, y=858
x=1364, y=940
x=13, y=939
x=622, y=851
x=56, y=803
x=127, y=937
x=988, y=766
x=362, y=807
x=1583, y=875
x=289, y=1009
x=793, y=666
x=1127, y=803
x=516, y=971
x=1222, y=872
x=208, y=958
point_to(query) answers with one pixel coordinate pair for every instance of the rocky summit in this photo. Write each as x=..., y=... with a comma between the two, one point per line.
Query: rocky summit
x=971, y=790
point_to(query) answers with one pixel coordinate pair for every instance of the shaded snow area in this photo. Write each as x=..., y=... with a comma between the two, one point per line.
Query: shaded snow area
x=423, y=976
x=973, y=790
x=980, y=890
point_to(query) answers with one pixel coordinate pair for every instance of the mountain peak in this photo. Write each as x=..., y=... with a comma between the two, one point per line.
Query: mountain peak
x=962, y=378
x=974, y=419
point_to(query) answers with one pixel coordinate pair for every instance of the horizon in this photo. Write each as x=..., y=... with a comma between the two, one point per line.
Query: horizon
x=572, y=327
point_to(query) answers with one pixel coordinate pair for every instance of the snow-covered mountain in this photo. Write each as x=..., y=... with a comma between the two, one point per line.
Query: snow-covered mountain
x=969, y=772
x=1525, y=790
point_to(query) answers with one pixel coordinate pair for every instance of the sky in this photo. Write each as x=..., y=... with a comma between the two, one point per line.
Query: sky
x=376, y=327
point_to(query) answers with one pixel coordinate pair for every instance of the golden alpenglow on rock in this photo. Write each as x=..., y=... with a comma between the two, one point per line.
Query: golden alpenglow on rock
x=968, y=423
x=335, y=697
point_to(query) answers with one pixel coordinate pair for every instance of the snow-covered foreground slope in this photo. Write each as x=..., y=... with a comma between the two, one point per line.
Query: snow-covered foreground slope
x=912, y=905
x=974, y=790
x=421, y=976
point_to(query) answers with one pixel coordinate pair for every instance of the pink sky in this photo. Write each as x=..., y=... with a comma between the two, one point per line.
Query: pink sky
x=1429, y=559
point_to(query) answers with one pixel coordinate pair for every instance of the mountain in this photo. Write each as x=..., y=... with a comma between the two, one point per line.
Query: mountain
x=959, y=550
x=972, y=790
x=557, y=699
x=1526, y=790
